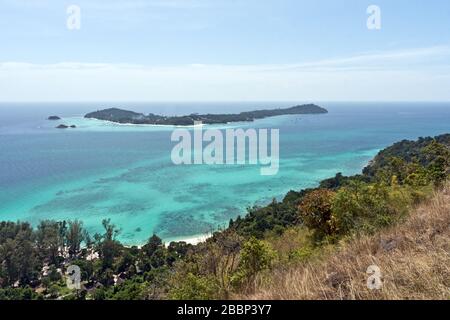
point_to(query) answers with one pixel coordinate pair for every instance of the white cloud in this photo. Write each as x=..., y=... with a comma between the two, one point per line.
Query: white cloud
x=372, y=76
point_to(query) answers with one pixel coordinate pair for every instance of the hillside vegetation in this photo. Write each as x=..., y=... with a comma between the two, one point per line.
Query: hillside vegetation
x=413, y=257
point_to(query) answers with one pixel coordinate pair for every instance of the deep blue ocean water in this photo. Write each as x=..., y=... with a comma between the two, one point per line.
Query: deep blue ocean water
x=102, y=170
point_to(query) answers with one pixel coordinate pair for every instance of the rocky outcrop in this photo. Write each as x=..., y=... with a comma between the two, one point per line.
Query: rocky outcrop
x=63, y=126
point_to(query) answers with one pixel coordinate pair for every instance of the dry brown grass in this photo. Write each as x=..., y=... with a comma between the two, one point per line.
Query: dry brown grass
x=414, y=258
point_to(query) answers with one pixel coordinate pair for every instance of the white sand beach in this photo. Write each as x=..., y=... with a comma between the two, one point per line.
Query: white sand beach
x=191, y=240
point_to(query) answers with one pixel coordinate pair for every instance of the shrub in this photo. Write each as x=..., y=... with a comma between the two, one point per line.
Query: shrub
x=315, y=211
x=438, y=156
x=193, y=287
x=256, y=256
x=367, y=207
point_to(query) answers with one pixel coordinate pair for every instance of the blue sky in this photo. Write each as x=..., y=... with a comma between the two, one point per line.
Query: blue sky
x=224, y=50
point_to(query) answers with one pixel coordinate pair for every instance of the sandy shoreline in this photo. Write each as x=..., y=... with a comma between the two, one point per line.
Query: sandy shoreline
x=196, y=239
x=165, y=126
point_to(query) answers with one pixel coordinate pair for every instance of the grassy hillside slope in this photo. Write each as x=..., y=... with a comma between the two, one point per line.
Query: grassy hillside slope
x=413, y=257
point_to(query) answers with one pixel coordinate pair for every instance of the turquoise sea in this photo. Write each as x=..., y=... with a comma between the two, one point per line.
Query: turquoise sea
x=103, y=170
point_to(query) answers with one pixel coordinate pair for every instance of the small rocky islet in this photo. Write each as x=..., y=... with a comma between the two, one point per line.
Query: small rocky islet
x=61, y=126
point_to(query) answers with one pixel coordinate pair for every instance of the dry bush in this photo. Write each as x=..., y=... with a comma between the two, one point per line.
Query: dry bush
x=414, y=258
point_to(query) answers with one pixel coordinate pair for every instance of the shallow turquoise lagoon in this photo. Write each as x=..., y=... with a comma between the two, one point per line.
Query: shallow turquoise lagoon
x=103, y=170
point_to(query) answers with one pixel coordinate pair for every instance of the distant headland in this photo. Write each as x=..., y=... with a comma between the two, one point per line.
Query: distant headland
x=130, y=117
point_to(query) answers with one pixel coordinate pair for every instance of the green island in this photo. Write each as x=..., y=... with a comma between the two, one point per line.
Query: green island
x=314, y=244
x=130, y=117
